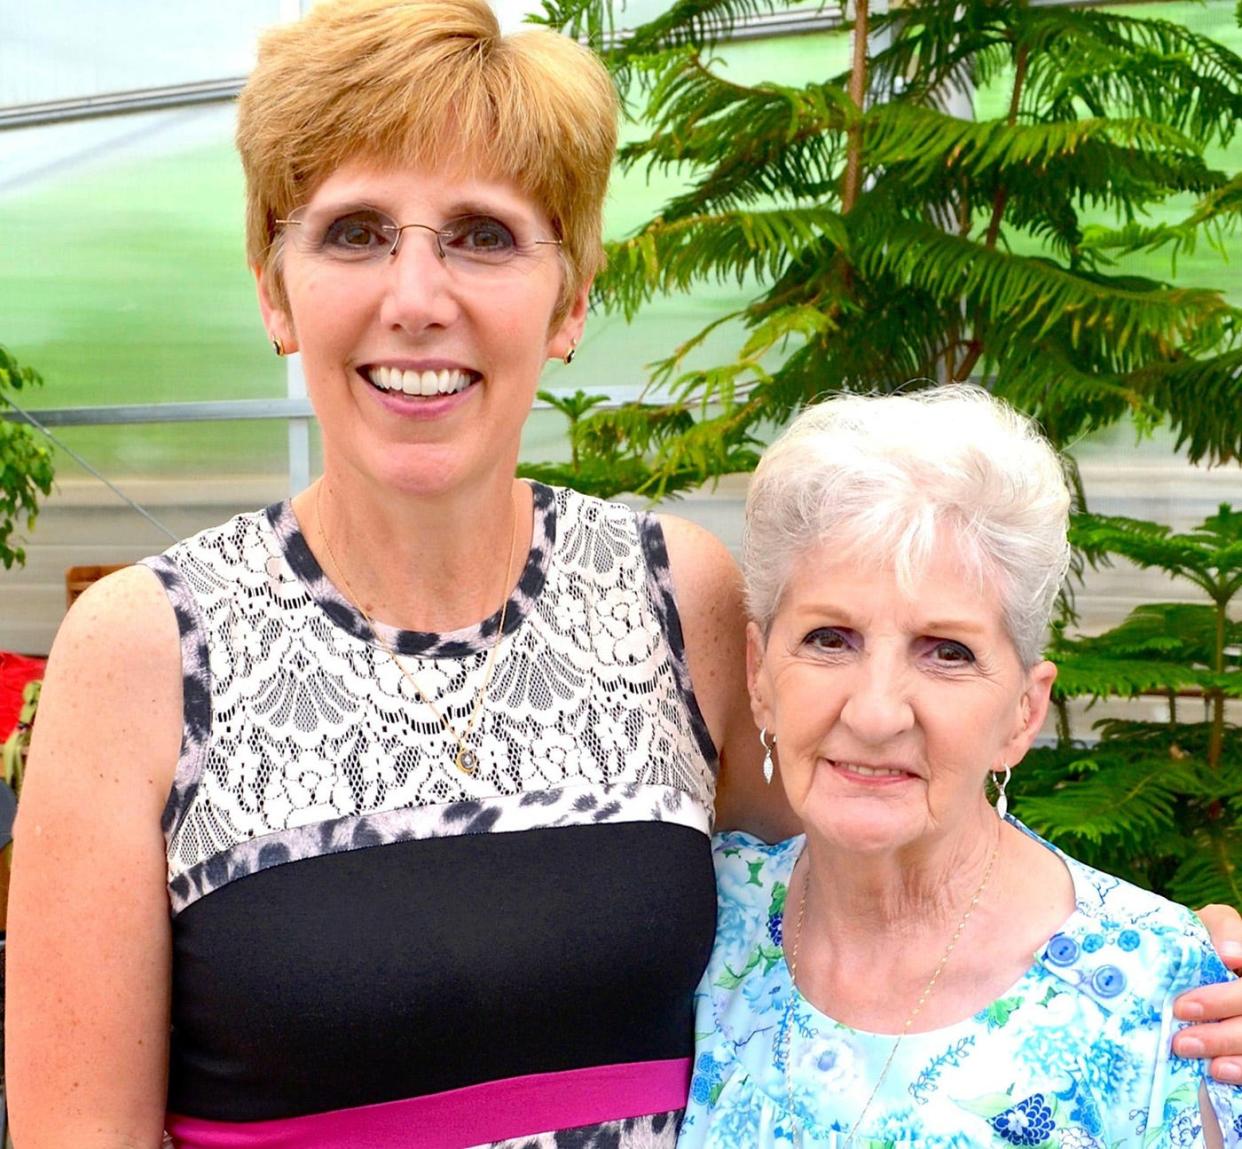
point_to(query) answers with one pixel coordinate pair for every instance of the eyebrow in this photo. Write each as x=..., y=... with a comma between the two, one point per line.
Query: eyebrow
x=931, y=626
x=459, y=209
x=959, y=625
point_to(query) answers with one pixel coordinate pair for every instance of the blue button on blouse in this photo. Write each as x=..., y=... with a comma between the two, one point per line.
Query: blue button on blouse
x=1108, y=981
x=1062, y=950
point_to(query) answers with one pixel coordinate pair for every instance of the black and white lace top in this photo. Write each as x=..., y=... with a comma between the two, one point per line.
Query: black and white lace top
x=312, y=770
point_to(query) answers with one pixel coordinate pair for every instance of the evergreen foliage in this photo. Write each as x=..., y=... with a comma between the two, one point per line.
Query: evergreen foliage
x=892, y=243
x=892, y=240
x=25, y=464
x=1158, y=802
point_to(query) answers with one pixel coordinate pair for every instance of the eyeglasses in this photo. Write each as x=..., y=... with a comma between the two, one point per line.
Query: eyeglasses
x=366, y=235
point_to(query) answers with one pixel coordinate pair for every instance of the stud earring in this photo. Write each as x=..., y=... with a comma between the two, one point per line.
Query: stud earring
x=1002, y=802
x=573, y=350
x=767, y=754
x=278, y=347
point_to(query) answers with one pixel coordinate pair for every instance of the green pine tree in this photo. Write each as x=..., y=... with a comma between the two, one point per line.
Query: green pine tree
x=894, y=241
x=1157, y=802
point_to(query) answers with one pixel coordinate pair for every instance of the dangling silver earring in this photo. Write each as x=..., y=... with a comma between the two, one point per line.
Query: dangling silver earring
x=767, y=754
x=1002, y=803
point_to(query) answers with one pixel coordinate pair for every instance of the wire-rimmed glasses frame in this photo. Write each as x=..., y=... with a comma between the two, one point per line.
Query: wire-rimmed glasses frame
x=366, y=235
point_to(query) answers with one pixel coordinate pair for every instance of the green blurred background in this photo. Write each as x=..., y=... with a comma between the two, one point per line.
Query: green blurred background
x=123, y=280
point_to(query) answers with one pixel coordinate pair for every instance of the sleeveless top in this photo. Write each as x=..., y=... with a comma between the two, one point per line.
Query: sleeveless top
x=372, y=948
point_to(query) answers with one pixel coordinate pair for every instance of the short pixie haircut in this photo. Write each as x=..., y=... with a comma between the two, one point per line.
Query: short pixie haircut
x=887, y=479
x=426, y=83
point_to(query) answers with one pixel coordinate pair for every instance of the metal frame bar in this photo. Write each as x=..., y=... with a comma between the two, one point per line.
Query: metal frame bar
x=207, y=412
x=227, y=410
x=120, y=103
x=754, y=27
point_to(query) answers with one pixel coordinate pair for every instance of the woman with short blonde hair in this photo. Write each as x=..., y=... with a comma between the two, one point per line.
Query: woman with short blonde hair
x=423, y=761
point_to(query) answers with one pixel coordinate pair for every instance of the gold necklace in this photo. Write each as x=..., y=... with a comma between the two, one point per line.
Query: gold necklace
x=467, y=761
x=918, y=1006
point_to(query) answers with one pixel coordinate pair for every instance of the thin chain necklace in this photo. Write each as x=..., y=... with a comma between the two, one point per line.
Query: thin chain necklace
x=918, y=1005
x=466, y=760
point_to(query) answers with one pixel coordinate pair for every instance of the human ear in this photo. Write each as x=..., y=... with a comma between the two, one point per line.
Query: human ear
x=276, y=318
x=1032, y=710
x=567, y=333
x=755, y=682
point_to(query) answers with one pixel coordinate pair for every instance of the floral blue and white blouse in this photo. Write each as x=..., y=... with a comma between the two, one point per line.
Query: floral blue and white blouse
x=1074, y=1056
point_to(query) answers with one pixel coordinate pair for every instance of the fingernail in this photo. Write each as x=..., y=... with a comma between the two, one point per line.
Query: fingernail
x=1190, y=1047
x=1229, y=1071
x=1189, y=1010
x=1231, y=950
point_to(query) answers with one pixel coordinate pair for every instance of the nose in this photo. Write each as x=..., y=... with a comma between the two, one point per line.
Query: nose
x=878, y=707
x=419, y=289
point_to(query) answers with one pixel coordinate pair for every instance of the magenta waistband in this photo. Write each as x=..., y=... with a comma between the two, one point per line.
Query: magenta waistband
x=475, y=1115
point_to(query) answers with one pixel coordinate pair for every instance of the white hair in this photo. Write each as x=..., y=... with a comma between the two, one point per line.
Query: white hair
x=885, y=478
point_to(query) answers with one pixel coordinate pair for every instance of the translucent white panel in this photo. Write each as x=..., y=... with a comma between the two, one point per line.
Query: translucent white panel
x=123, y=277
x=184, y=451
x=632, y=13
x=65, y=48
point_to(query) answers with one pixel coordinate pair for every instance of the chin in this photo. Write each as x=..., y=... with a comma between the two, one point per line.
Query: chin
x=425, y=471
x=877, y=832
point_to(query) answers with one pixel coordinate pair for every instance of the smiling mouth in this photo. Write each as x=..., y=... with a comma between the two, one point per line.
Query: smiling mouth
x=425, y=383
x=872, y=771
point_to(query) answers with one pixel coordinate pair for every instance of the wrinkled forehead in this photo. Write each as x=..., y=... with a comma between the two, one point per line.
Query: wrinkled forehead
x=949, y=577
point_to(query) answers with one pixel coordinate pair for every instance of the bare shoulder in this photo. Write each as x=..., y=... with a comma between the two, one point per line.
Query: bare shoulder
x=705, y=574
x=712, y=605
x=112, y=690
x=710, y=601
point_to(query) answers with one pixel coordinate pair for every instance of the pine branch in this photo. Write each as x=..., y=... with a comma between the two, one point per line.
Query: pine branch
x=1155, y=68
x=1150, y=160
x=1119, y=792
x=1033, y=295
x=1168, y=632
x=673, y=256
x=750, y=143
x=1210, y=556
x=1085, y=674
x=1210, y=869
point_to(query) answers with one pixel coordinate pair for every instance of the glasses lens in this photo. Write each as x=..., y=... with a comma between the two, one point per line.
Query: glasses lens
x=479, y=239
x=352, y=236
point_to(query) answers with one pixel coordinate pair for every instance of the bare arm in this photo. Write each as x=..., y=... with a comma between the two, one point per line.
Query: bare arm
x=708, y=586
x=89, y=941
x=1217, y=1007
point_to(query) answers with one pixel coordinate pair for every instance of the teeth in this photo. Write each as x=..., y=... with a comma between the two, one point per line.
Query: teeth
x=871, y=771
x=419, y=382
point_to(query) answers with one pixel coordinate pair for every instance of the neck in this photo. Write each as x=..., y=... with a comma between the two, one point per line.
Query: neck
x=882, y=935
x=417, y=562
x=859, y=897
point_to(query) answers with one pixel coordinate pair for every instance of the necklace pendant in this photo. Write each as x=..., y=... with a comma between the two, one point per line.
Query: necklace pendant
x=467, y=760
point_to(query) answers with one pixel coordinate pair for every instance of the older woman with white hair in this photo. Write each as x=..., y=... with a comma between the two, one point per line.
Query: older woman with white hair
x=919, y=969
